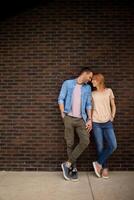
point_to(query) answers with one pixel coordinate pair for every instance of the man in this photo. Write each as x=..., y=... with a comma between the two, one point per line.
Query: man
x=75, y=107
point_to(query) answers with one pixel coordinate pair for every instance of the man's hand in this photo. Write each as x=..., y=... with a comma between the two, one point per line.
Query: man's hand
x=89, y=125
x=62, y=115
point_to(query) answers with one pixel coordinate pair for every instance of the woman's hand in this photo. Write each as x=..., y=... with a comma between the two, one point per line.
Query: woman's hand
x=112, y=119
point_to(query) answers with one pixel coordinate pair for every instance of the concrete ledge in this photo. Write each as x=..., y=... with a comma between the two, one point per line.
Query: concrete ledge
x=52, y=186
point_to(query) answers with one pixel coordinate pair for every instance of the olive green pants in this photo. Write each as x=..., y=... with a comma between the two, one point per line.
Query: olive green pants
x=71, y=124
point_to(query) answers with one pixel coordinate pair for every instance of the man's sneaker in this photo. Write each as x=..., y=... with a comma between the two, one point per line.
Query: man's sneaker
x=66, y=171
x=97, y=169
x=74, y=174
x=105, y=173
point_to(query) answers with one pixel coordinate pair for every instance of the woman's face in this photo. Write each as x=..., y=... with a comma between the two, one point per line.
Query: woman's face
x=95, y=82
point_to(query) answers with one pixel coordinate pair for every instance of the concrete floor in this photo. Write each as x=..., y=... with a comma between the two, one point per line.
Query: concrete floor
x=52, y=186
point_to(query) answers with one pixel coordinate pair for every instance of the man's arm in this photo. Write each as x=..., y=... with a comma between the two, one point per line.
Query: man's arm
x=61, y=107
x=62, y=97
x=89, y=121
x=89, y=101
x=89, y=115
x=88, y=108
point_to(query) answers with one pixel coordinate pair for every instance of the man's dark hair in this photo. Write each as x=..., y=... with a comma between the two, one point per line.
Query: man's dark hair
x=85, y=69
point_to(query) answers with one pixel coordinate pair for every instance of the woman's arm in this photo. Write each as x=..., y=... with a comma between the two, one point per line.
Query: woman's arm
x=113, y=108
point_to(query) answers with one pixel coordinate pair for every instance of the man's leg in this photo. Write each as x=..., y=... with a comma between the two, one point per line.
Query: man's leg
x=83, y=143
x=69, y=137
x=83, y=139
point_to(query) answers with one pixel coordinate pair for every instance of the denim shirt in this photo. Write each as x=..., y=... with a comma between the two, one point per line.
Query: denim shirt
x=66, y=93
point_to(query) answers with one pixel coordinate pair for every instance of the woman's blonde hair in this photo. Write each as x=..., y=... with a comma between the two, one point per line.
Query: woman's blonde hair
x=100, y=78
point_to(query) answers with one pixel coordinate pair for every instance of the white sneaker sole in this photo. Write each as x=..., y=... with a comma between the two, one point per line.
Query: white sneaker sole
x=75, y=180
x=66, y=178
x=105, y=177
x=96, y=172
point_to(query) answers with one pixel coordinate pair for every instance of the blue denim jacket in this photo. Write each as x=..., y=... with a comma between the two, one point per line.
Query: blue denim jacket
x=65, y=97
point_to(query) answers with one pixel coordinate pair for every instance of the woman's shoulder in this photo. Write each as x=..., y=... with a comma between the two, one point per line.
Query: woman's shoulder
x=94, y=92
x=108, y=89
x=110, y=92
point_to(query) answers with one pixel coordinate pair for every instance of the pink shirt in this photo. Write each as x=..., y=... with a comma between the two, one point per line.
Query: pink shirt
x=76, y=102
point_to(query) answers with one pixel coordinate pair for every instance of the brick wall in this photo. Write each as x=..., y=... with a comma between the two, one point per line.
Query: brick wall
x=41, y=47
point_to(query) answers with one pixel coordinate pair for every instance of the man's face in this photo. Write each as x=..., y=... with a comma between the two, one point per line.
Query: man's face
x=87, y=77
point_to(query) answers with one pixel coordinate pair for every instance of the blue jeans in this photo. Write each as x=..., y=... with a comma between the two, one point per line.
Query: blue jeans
x=105, y=141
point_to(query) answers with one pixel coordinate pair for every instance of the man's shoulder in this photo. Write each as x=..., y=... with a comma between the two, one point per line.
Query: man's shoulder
x=69, y=81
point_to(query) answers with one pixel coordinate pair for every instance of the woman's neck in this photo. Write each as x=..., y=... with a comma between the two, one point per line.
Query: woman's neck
x=100, y=88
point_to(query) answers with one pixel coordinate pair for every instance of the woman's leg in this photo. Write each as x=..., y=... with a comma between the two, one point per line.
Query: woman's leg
x=99, y=140
x=111, y=145
x=98, y=137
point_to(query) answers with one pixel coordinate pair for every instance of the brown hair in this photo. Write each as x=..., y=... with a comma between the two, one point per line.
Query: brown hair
x=85, y=69
x=100, y=78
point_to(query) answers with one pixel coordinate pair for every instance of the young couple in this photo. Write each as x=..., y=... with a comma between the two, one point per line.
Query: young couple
x=83, y=110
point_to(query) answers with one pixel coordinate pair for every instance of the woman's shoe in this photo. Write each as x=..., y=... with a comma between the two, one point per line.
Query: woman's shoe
x=97, y=168
x=105, y=173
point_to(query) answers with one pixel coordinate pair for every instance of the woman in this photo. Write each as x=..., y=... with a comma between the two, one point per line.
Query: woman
x=103, y=114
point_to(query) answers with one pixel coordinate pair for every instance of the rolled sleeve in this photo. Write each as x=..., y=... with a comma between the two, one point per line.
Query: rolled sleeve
x=63, y=93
